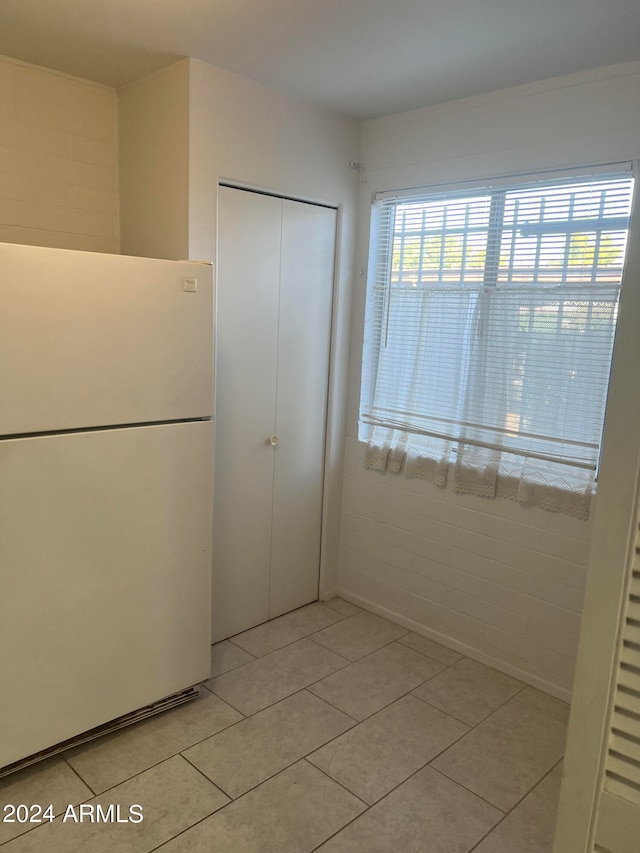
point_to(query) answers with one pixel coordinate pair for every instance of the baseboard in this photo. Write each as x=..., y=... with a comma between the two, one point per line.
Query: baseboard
x=458, y=646
x=328, y=594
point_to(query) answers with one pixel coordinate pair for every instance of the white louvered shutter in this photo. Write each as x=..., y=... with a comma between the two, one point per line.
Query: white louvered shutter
x=618, y=825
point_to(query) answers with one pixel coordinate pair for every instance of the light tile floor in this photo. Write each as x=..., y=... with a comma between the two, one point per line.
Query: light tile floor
x=327, y=729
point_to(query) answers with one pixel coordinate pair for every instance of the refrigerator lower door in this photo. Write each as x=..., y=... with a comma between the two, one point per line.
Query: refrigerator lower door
x=105, y=560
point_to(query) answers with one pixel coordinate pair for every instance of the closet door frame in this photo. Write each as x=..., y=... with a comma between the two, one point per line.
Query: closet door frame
x=332, y=419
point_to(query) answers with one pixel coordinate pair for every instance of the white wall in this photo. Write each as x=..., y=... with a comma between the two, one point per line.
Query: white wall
x=252, y=135
x=58, y=160
x=154, y=164
x=499, y=581
x=244, y=132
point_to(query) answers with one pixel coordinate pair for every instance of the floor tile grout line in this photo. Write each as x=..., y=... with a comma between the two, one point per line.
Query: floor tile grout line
x=395, y=788
x=408, y=693
x=303, y=757
x=290, y=613
x=200, y=820
x=96, y=794
x=79, y=775
x=428, y=764
x=367, y=806
x=348, y=663
x=373, y=652
x=207, y=737
x=275, y=651
x=203, y=774
x=368, y=613
x=307, y=755
x=237, y=723
x=281, y=698
x=344, y=618
x=187, y=828
x=342, y=828
x=346, y=615
x=386, y=794
x=488, y=833
x=466, y=722
x=472, y=729
x=286, y=645
x=236, y=646
x=272, y=704
x=310, y=635
x=448, y=713
x=140, y=772
x=511, y=810
x=233, y=643
x=356, y=721
x=266, y=707
x=27, y=831
x=505, y=811
x=388, y=705
x=484, y=719
x=304, y=687
x=475, y=793
x=226, y=702
x=264, y=781
x=191, y=745
x=540, y=710
x=424, y=654
x=281, y=769
x=515, y=698
x=433, y=757
x=336, y=782
x=341, y=618
x=231, y=668
x=344, y=657
x=331, y=705
x=59, y=814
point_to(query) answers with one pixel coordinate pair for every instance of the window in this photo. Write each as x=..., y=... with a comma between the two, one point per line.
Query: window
x=490, y=322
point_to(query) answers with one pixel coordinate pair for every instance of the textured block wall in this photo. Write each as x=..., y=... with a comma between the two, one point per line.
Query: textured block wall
x=58, y=160
x=496, y=580
x=500, y=583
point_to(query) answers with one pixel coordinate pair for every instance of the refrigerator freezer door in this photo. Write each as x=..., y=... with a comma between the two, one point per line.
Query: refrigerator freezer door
x=105, y=549
x=94, y=340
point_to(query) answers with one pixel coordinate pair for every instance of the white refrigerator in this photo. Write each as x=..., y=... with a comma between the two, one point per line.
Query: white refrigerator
x=106, y=445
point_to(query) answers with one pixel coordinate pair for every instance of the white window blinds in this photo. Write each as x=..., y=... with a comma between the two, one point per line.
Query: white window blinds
x=490, y=325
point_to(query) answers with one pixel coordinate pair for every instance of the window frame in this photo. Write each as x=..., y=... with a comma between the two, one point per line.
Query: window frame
x=496, y=189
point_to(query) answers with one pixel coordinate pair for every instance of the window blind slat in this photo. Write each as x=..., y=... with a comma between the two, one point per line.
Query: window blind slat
x=491, y=316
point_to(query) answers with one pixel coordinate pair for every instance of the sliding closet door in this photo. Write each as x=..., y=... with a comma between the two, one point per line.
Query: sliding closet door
x=275, y=284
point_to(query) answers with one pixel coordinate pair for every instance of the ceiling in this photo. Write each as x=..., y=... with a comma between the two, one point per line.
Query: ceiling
x=365, y=58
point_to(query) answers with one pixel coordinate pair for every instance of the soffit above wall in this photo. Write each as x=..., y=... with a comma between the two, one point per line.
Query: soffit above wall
x=364, y=58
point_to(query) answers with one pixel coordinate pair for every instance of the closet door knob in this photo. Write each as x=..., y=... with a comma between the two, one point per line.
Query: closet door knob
x=274, y=440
